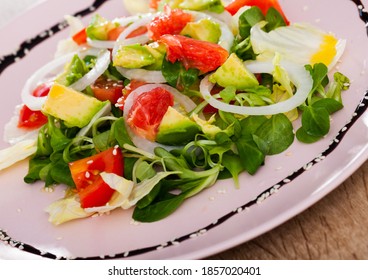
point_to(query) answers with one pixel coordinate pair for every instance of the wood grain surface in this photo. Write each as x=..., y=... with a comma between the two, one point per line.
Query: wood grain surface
x=335, y=228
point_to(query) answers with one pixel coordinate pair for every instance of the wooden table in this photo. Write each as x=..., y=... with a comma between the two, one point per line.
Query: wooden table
x=334, y=228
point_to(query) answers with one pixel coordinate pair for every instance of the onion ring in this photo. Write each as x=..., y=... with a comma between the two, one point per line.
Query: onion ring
x=179, y=98
x=298, y=75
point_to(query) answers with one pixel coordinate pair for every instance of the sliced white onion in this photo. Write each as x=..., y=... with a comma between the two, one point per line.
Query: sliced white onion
x=227, y=37
x=298, y=76
x=124, y=21
x=54, y=67
x=102, y=63
x=35, y=103
x=100, y=44
x=148, y=76
x=225, y=16
x=122, y=39
x=179, y=98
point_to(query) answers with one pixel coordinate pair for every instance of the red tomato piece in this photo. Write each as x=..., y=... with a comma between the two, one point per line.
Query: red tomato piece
x=42, y=89
x=127, y=90
x=91, y=188
x=30, y=119
x=80, y=37
x=107, y=89
x=264, y=5
x=139, y=31
x=147, y=112
x=171, y=22
x=114, y=33
x=202, y=55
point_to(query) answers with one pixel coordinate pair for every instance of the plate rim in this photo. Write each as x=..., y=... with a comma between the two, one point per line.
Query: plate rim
x=300, y=206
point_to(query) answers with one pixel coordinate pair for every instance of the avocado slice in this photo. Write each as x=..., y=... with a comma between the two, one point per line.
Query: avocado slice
x=71, y=106
x=158, y=51
x=205, y=30
x=99, y=28
x=176, y=129
x=234, y=73
x=133, y=56
x=199, y=5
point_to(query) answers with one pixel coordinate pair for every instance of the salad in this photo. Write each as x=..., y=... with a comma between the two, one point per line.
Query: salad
x=148, y=110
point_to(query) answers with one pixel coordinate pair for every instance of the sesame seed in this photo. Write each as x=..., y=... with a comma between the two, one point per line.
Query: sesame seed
x=308, y=166
x=203, y=231
x=87, y=174
x=126, y=254
x=89, y=162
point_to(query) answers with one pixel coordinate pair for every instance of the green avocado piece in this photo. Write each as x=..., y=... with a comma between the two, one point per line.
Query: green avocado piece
x=99, y=28
x=133, y=56
x=199, y=5
x=71, y=106
x=176, y=129
x=205, y=30
x=234, y=73
x=158, y=51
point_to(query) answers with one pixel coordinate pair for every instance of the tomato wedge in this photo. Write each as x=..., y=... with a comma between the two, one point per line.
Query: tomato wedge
x=127, y=90
x=264, y=5
x=147, y=112
x=202, y=55
x=80, y=37
x=114, y=33
x=30, y=119
x=170, y=22
x=91, y=188
x=107, y=89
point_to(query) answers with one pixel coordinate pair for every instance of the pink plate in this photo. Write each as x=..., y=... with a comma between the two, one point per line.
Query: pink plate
x=220, y=217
